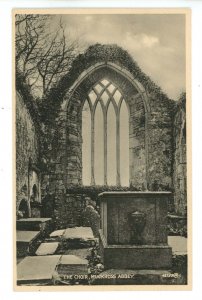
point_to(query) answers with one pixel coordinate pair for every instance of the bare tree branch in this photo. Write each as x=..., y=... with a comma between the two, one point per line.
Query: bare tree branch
x=43, y=57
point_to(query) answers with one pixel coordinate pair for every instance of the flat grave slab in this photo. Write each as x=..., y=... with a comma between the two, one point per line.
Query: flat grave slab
x=25, y=240
x=78, y=237
x=47, y=248
x=72, y=265
x=26, y=236
x=33, y=224
x=178, y=244
x=57, y=233
x=36, y=269
x=78, y=233
x=82, y=253
x=72, y=260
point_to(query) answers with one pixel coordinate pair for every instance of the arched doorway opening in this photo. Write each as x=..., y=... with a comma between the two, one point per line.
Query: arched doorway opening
x=23, y=210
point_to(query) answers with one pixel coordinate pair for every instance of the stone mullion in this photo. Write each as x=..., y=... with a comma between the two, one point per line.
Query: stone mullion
x=104, y=86
x=118, y=181
x=105, y=146
x=92, y=146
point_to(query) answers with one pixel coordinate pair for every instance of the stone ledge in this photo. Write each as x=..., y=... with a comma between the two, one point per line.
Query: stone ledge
x=131, y=193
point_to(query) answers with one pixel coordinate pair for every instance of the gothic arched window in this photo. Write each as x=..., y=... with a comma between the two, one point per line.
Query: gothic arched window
x=105, y=134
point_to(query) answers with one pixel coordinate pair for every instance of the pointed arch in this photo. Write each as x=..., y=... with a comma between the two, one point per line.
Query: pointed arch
x=86, y=144
x=106, y=159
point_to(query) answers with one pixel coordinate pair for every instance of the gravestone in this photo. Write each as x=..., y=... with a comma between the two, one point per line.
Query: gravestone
x=44, y=225
x=133, y=231
x=47, y=249
x=37, y=269
x=72, y=265
x=26, y=242
x=78, y=237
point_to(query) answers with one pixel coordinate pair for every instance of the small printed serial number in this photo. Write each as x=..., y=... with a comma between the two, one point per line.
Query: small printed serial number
x=173, y=275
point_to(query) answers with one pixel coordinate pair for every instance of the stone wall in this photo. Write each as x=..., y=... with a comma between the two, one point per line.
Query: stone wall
x=137, y=143
x=150, y=135
x=27, y=153
x=150, y=129
x=157, y=160
x=69, y=210
x=180, y=161
x=160, y=150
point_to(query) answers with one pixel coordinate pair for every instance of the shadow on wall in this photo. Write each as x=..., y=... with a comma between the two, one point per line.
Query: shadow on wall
x=23, y=210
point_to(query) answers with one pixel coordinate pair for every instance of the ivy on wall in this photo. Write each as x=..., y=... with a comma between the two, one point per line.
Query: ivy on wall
x=28, y=99
x=95, y=190
x=44, y=111
x=94, y=54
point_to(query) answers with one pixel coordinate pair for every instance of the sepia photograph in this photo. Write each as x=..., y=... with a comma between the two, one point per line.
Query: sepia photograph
x=101, y=147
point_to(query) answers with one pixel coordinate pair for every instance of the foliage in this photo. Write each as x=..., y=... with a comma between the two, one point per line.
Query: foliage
x=28, y=99
x=182, y=101
x=95, y=190
x=43, y=57
x=177, y=225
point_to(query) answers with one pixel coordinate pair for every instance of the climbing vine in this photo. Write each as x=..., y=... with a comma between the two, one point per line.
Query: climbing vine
x=94, y=54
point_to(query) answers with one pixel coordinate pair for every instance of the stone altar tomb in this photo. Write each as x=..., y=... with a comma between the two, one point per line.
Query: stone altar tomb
x=133, y=232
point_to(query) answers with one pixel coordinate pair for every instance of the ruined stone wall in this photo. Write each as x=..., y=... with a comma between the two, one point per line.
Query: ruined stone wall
x=74, y=140
x=64, y=168
x=156, y=136
x=150, y=134
x=69, y=209
x=136, y=127
x=137, y=145
x=160, y=149
x=150, y=128
x=27, y=149
x=150, y=167
x=180, y=161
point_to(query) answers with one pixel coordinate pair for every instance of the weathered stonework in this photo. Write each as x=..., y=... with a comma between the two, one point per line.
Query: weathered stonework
x=180, y=161
x=160, y=144
x=151, y=134
x=150, y=127
x=27, y=154
x=69, y=209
